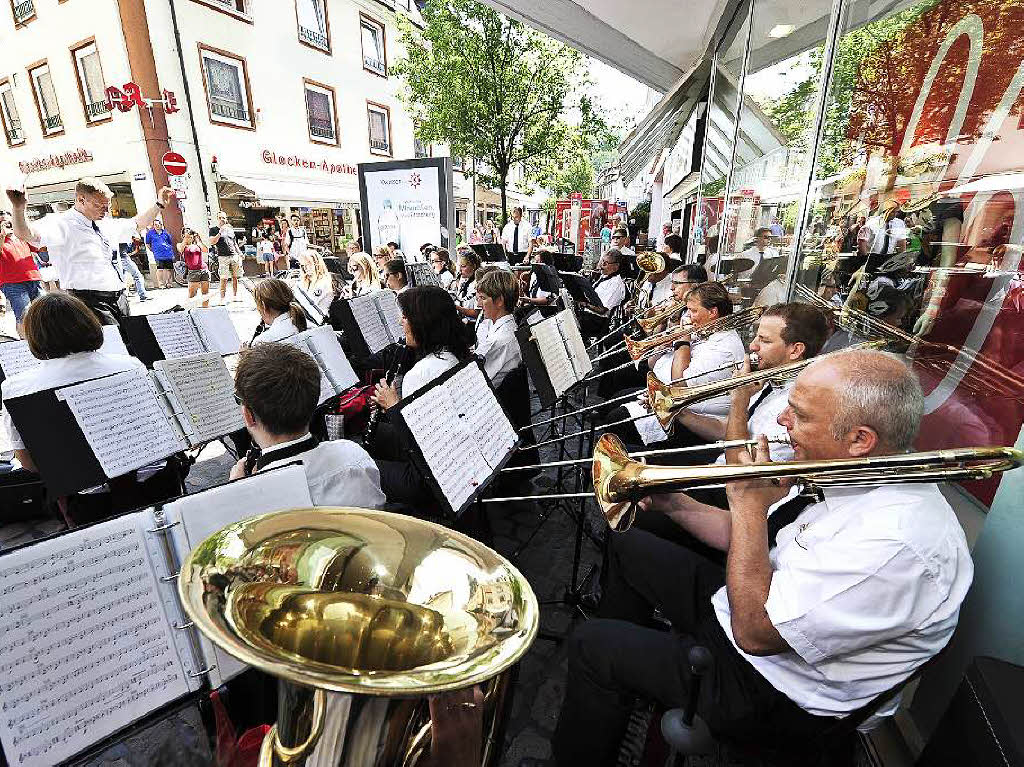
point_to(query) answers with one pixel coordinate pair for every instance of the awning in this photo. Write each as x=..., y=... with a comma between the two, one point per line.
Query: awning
x=276, y=193
x=687, y=186
x=997, y=182
x=48, y=194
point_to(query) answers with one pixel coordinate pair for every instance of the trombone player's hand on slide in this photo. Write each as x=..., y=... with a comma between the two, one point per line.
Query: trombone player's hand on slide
x=754, y=492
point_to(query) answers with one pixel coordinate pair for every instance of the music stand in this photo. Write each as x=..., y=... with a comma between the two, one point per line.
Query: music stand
x=490, y=252
x=580, y=289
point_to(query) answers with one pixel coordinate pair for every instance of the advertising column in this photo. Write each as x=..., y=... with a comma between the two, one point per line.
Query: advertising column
x=409, y=202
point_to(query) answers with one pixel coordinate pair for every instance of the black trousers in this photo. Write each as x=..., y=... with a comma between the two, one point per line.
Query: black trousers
x=618, y=657
x=110, y=307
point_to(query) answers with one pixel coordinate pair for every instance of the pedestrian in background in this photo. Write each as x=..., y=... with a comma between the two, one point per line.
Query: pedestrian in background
x=159, y=241
x=192, y=253
x=19, y=274
x=128, y=251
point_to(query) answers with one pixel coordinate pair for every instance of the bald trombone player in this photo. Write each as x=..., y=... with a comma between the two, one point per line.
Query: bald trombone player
x=822, y=605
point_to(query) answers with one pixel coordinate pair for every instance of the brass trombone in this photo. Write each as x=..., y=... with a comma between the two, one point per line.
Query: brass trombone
x=619, y=482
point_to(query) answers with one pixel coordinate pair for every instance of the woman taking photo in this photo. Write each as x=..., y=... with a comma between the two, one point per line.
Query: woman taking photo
x=367, y=276
x=438, y=342
x=441, y=263
x=191, y=249
x=464, y=288
x=281, y=315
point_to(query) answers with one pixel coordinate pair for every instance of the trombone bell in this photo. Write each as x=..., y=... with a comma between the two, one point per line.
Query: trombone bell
x=613, y=470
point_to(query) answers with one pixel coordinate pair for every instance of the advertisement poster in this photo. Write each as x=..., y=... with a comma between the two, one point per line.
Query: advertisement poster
x=408, y=202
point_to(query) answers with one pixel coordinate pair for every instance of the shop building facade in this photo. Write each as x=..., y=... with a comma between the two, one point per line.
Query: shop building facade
x=273, y=105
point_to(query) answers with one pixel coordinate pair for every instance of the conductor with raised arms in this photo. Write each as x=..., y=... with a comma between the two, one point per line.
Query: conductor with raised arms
x=80, y=250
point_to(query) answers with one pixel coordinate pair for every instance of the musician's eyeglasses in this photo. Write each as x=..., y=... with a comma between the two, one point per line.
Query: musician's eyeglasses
x=677, y=282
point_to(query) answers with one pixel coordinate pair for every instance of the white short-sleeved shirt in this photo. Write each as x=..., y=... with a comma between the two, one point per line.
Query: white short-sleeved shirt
x=281, y=328
x=765, y=420
x=719, y=349
x=81, y=252
x=866, y=587
x=49, y=374
x=612, y=292
x=500, y=349
x=339, y=473
x=426, y=370
x=464, y=292
x=445, y=279
x=322, y=292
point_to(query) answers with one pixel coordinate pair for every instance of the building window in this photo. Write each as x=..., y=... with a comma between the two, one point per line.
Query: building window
x=90, y=83
x=380, y=129
x=320, y=113
x=227, y=88
x=374, y=51
x=238, y=6
x=421, y=149
x=46, y=100
x=9, y=114
x=23, y=10
x=313, y=26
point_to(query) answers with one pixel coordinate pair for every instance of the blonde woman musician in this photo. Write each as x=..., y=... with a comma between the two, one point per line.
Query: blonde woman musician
x=366, y=274
x=316, y=279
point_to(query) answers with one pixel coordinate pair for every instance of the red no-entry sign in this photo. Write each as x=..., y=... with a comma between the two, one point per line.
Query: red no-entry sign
x=175, y=164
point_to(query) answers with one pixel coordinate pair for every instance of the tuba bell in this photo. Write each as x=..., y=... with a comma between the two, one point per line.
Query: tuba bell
x=380, y=607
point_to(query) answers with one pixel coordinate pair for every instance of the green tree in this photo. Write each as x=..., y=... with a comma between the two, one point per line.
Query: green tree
x=497, y=90
x=577, y=175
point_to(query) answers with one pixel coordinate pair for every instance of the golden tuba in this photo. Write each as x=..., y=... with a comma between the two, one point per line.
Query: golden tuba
x=651, y=262
x=619, y=481
x=383, y=607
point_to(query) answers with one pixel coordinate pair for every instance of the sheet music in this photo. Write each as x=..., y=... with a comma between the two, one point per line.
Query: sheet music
x=331, y=358
x=436, y=427
x=204, y=513
x=422, y=274
x=85, y=645
x=216, y=330
x=112, y=341
x=122, y=421
x=648, y=428
x=578, y=355
x=486, y=420
x=175, y=334
x=205, y=390
x=391, y=312
x=553, y=353
x=367, y=317
x=15, y=358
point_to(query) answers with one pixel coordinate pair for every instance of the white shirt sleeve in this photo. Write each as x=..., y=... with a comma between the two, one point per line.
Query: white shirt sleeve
x=828, y=605
x=611, y=292
x=52, y=233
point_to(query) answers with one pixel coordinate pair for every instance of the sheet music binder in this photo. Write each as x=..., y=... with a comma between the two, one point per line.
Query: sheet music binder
x=143, y=344
x=580, y=288
x=419, y=273
x=336, y=372
x=15, y=356
x=113, y=580
x=565, y=363
x=389, y=329
x=454, y=382
x=535, y=366
x=61, y=451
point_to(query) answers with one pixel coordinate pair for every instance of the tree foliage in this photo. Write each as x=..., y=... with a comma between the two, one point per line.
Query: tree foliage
x=498, y=91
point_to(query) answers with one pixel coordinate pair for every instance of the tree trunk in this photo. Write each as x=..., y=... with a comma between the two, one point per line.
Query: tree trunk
x=504, y=199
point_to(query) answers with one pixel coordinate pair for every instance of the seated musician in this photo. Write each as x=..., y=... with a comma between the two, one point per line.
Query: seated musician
x=439, y=341
x=365, y=273
x=281, y=314
x=66, y=335
x=441, y=263
x=463, y=289
x=534, y=294
x=699, y=362
x=277, y=387
x=496, y=342
x=813, y=617
x=610, y=288
x=395, y=277
x=656, y=287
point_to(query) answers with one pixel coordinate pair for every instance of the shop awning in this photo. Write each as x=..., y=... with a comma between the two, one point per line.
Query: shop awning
x=687, y=186
x=654, y=41
x=276, y=193
x=48, y=194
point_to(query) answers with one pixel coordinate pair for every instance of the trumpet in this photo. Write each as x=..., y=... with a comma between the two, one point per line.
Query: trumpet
x=619, y=481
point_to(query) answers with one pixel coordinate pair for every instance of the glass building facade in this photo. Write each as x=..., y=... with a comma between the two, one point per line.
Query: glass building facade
x=868, y=156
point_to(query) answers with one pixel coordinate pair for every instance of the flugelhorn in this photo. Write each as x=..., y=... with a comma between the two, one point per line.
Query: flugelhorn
x=378, y=605
x=619, y=481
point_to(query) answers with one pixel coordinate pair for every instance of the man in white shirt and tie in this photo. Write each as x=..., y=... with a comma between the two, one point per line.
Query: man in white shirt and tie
x=825, y=603
x=516, y=237
x=80, y=250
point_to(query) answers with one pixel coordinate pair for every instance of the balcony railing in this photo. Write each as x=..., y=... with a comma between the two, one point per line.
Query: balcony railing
x=375, y=65
x=230, y=111
x=321, y=128
x=52, y=123
x=14, y=132
x=96, y=109
x=380, y=146
x=314, y=37
x=23, y=11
